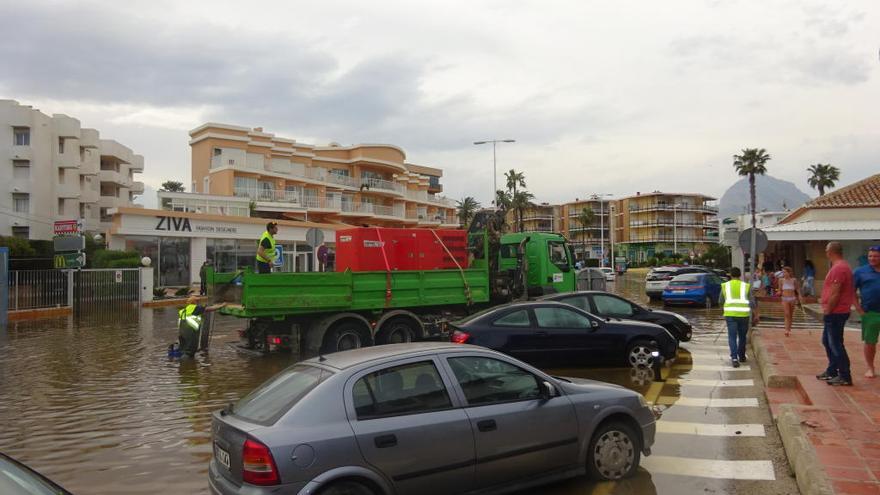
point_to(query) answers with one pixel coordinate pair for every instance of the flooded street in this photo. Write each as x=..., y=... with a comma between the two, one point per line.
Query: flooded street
x=98, y=407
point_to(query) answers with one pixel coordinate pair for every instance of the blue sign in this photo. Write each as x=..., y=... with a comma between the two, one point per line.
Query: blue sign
x=279, y=256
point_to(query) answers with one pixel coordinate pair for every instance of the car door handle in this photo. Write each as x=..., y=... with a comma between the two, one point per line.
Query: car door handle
x=487, y=425
x=542, y=334
x=385, y=441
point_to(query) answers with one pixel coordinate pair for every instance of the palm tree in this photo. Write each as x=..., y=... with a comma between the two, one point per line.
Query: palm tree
x=466, y=209
x=585, y=218
x=502, y=200
x=752, y=162
x=521, y=200
x=824, y=176
x=515, y=179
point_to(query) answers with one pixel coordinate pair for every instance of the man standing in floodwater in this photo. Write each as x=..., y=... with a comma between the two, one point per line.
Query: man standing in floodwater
x=189, y=324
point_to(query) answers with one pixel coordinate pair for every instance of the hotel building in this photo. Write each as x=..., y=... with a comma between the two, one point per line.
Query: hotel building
x=57, y=170
x=363, y=184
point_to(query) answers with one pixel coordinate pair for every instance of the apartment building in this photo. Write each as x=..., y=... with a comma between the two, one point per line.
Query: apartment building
x=587, y=237
x=54, y=169
x=364, y=184
x=659, y=223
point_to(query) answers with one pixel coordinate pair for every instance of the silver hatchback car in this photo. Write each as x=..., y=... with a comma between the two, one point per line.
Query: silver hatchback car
x=427, y=418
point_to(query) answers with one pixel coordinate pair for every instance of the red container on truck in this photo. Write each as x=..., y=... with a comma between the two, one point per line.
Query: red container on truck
x=367, y=249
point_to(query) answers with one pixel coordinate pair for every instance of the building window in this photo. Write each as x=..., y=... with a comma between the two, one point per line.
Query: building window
x=21, y=136
x=21, y=202
x=433, y=182
x=21, y=163
x=21, y=232
x=344, y=172
x=218, y=152
x=21, y=169
x=60, y=206
x=61, y=146
x=61, y=176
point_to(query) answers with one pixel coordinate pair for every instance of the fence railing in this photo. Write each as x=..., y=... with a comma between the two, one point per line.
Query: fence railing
x=40, y=289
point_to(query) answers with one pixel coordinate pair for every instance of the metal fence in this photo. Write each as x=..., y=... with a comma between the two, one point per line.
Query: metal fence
x=80, y=289
x=32, y=289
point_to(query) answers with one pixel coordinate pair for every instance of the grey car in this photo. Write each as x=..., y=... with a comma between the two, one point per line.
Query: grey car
x=426, y=418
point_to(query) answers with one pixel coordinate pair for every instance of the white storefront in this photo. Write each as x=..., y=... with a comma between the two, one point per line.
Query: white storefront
x=179, y=242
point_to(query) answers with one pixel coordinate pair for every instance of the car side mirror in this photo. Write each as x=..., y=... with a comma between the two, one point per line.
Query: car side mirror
x=594, y=325
x=548, y=391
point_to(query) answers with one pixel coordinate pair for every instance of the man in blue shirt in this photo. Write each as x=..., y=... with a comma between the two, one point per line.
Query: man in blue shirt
x=867, y=281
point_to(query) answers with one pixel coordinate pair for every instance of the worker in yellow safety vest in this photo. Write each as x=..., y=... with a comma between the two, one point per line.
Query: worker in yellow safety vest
x=266, y=248
x=737, y=308
x=189, y=324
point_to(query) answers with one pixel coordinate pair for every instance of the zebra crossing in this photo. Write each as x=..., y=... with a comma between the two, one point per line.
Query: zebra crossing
x=700, y=400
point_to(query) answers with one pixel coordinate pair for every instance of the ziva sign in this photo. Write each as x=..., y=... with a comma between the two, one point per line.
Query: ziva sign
x=173, y=224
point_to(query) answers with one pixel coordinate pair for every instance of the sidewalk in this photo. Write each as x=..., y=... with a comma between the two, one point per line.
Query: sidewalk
x=831, y=434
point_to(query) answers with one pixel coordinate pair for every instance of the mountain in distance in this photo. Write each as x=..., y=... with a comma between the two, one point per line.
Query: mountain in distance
x=771, y=194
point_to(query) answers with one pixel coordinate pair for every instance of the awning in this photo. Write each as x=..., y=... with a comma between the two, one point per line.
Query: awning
x=825, y=230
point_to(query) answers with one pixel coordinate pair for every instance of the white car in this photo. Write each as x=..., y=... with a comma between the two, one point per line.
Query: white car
x=609, y=273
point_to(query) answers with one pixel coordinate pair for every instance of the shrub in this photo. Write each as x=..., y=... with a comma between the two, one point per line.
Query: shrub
x=159, y=292
x=105, y=258
x=18, y=246
x=183, y=291
x=124, y=263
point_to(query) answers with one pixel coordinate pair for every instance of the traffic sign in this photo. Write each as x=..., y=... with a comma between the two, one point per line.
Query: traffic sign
x=314, y=237
x=67, y=227
x=70, y=260
x=745, y=240
x=279, y=255
x=69, y=243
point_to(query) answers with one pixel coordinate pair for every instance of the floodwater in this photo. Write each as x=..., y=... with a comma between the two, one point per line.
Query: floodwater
x=97, y=406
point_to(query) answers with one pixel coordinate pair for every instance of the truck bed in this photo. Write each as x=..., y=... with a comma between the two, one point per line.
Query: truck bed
x=283, y=294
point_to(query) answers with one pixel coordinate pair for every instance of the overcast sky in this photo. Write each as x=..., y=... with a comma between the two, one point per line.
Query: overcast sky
x=601, y=97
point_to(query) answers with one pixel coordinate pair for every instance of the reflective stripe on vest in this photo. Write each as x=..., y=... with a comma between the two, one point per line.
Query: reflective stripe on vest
x=736, y=306
x=186, y=315
x=270, y=251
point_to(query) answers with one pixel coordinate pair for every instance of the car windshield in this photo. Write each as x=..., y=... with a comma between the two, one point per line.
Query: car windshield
x=274, y=397
x=685, y=280
x=16, y=479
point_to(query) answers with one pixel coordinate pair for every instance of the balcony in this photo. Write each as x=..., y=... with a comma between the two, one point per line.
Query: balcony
x=70, y=159
x=65, y=127
x=111, y=202
x=21, y=153
x=112, y=149
x=137, y=164
x=670, y=208
x=90, y=162
x=137, y=187
x=67, y=191
x=670, y=238
x=89, y=138
x=113, y=177
x=382, y=186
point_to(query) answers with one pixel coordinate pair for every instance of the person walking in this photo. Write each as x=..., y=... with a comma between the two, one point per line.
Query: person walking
x=809, y=279
x=737, y=310
x=266, y=248
x=189, y=324
x=203, y=274
x=867, y=283
x=838, y=296
x=790, y=297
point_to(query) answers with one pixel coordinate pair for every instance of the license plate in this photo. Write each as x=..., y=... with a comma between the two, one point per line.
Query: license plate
x=679, y=291
x=222, y=456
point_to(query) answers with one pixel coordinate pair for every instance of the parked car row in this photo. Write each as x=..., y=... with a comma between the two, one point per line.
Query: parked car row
x=658, y=278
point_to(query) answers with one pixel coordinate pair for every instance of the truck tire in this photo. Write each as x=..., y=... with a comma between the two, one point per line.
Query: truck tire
x=344, y=336
x=400, y=330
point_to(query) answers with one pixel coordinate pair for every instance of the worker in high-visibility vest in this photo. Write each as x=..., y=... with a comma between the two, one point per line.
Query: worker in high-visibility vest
x=189, y=324
x=266, y=248
x=737, y=309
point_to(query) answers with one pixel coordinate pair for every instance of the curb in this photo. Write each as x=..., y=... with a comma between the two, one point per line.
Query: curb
x=810, y=477
x=771, y=377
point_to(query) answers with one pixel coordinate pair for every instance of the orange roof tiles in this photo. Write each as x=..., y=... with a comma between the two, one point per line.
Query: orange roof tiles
x=864, y=193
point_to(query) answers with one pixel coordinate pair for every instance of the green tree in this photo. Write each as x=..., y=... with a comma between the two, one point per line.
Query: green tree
x=585, y=218
x=18, y=247
x=823, y=176
x=172, y=186
x=502, y=200
x=466, y=209
x=521, y=201
x=752, y=162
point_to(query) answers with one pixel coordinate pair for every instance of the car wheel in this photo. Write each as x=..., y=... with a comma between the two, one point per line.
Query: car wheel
x=398, y=331
x=614, y=452
x=346, y=488
x=343, y=337
x=640, y=354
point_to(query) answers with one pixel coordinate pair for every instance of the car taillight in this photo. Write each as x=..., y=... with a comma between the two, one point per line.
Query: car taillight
x=258, y=466
x=459, y=337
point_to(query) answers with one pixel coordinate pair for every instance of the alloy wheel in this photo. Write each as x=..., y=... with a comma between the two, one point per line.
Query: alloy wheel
x=614, y=454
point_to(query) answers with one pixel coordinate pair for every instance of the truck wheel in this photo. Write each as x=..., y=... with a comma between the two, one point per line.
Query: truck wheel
x=614, y=452
x=343, y=337
x=398, y=331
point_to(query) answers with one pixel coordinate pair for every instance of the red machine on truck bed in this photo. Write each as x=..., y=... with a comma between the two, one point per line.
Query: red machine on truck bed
x=370, y=249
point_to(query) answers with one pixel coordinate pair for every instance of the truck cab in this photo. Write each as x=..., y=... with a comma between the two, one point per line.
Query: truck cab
x=547, y=261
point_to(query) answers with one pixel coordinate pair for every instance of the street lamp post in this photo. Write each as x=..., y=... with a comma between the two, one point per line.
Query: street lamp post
x=494, y=165
x=601, y=227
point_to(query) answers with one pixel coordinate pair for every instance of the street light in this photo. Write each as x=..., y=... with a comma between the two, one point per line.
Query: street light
x=494, y=165
x=601, y=227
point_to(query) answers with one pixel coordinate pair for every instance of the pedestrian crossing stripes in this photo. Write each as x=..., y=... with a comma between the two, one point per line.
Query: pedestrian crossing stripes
x=710, y=430
x=694, y=382
x=706, y=402
x=710, y=468
x=709, y=367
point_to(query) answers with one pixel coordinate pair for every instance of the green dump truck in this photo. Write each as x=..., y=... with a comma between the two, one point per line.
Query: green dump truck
x=329, y=312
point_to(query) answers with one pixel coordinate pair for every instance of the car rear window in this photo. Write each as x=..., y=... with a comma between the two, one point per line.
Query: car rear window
x=685, y=280
x=274, y=397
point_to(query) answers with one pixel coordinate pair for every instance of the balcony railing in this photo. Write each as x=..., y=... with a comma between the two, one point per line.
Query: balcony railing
x=670, y=223
x=669, y=207
x=669, y=238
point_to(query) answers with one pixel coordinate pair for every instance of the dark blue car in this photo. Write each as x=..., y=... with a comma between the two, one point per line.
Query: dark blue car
x=702, y=289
